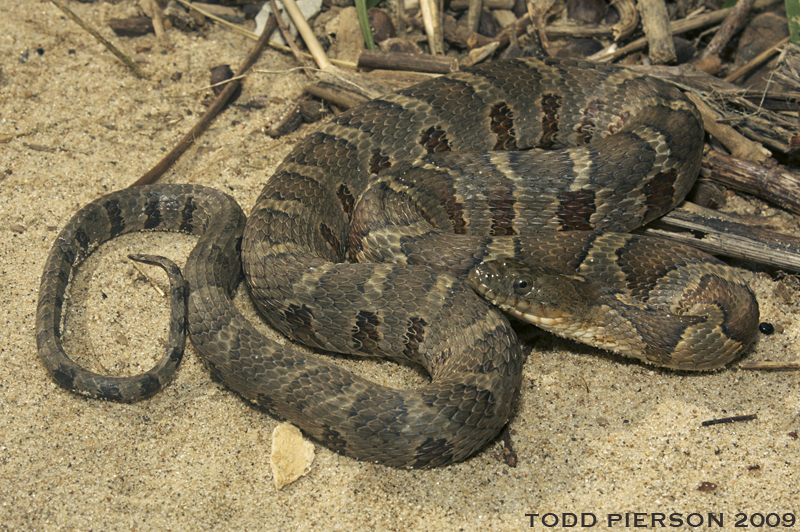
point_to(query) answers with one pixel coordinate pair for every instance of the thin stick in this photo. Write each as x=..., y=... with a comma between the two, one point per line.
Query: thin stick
x=679, y=26
x=770, y=365
x=474, y=14
x=537, y=11
x=733, y=23
x=756, y=61
x=369, y=90
x=149, y=279
x=732, y=419
x=288, y=36
x=5, y=139
x=736, y=143
x=712, y=232
x=770, y=182
x=308, y=36
x=127, y=61
x=400, y=20
x=253, y=36
x=439, y=64
x=656, y=26
x=432, y=20
x=154, y=12
x=185, y=143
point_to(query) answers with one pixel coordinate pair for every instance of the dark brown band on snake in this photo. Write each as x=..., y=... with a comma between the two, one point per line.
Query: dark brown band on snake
x=389, y=182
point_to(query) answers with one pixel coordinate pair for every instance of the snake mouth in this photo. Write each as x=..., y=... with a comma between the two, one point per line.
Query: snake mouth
x=529, y=312
x=481, y=278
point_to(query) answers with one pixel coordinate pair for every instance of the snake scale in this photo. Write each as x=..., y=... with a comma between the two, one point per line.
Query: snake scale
x=516, y=178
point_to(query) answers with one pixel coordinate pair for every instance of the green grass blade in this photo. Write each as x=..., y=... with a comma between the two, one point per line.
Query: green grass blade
x=793, y=16
x=363, y=20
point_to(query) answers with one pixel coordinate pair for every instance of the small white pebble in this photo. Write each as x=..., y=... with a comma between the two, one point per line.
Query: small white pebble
x=291, y=455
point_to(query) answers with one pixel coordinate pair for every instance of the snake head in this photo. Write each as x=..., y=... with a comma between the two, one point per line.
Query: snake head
x=527, y=292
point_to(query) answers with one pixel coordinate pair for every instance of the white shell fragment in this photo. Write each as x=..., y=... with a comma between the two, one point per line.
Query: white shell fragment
x=291, y=455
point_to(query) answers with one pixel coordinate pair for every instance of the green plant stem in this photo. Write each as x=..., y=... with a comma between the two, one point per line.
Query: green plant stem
x=363, y=20
x=793, y=16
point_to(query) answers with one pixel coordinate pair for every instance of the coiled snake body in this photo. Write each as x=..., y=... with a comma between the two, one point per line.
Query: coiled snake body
x=420, y=187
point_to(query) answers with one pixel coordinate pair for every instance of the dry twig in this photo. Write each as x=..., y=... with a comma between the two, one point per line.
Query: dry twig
x=152, y=10
x=677, y=27
x=733, y=23
x=432, y=18
x=537, y=11
x=409, y=62
x=219, y=103
x=253, y=36
x=308, y=36
x=287, y=36
x=656, y=25
x=127, y=61
x=756, y=61
x=732, y=419
x=770, y=365
x=474, y=14
x=718, y=234
x=739, y=145
x=769, y=182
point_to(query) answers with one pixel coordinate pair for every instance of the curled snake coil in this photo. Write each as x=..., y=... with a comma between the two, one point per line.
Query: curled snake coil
x=516, y=178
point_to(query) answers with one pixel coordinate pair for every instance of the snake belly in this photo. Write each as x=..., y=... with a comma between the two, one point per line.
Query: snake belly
x=397, y=174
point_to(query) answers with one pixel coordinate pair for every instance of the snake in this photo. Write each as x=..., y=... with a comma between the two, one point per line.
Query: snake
x=404, y=228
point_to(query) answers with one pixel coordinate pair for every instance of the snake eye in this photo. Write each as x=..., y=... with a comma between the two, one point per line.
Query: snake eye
x=522, y=285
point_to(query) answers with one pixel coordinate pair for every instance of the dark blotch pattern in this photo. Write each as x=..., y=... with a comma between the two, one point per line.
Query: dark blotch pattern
x=83, y=241
x=266, y=402
x=379, y=162
x=576, y=208
x=366, y=335
x=333, y=439
x=551, y=103
x=150, y=385
x=659, y=345
x=414, y=336
x=501, y=205
x=152, y=212
x=300, y=318
x=660, y=194
x=187, y=215
x=65, y=377
x=115, y=219
x=111, y=391
x=346, y=199
x=643, y=265
x=503, y=127
x=434, y=140
x=734, y=300
x=330, y=238
x=588, y=126
x=439, y=447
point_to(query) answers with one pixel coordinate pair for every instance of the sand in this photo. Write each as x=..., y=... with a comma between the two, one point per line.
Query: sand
x=595, y=434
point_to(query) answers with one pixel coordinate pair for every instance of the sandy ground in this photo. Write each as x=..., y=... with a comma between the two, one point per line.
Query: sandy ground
x=595, y=434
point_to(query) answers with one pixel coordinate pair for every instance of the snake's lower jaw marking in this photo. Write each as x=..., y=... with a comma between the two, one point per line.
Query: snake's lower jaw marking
x=410, y=178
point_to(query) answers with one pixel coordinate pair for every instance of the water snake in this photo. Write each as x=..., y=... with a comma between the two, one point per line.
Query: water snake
x=422, y=187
